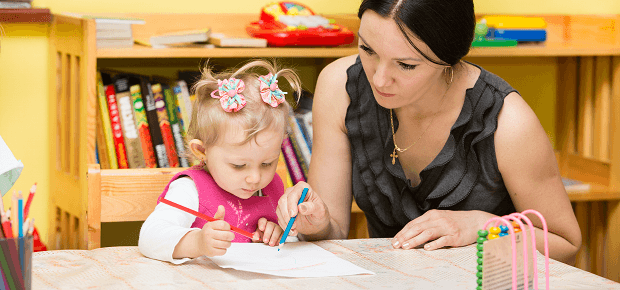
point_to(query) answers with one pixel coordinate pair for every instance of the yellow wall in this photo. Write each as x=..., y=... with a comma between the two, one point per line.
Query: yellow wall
x=23, y=110
x=23, y=69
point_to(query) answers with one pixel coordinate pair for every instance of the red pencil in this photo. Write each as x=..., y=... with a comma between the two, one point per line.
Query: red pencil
x=6, y=226
x=203, y=216
x=30, y=196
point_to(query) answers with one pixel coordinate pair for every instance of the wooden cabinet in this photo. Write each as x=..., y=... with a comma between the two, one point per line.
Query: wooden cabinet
x=584, y=49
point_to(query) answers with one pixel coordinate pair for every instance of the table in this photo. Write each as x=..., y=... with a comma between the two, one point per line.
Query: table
x=126, y=268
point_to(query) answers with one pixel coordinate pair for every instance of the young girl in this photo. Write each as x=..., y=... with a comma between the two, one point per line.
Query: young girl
x=236, y=131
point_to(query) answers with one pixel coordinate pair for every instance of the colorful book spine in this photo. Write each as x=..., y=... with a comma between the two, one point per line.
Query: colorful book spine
x=104, y=120
x=299, y=145
x=175, y=125
x=117, y=130
x=150, y=161
x=305, y=122
x=153, y=121
x=282, y=171
x=100, y=144
x=164, y=125
x=135, y=157
x=186, y=99
x=291, y=161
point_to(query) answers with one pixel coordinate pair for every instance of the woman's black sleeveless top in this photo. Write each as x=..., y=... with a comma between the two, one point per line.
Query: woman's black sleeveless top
x=463, y=176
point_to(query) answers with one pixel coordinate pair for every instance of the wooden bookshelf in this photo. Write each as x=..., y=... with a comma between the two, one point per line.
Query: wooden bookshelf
x=585, y=48
x=30, y=15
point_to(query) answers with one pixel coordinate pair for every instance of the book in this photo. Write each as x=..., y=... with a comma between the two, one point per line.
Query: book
x=164, y=125
x=106, y=18
x=148, y=153
x=133, y=144
x=176, y=45
x=575, y=185
x=223, y=40
x=300, y=145
x=175, y=124
x=104, y=121
x=100, y=144
x=179, y=37
x=117, y=130
x=185, y=104
x=282, y=171
x=112, y=31
x=153, y=121
x=115, y=43
x=291, y=161
x=305, y=124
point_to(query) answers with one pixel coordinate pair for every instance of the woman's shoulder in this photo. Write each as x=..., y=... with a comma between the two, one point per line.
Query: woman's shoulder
x=335, y=74
x=330, y=98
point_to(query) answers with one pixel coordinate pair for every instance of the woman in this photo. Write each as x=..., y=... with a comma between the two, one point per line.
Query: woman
x=430, y=146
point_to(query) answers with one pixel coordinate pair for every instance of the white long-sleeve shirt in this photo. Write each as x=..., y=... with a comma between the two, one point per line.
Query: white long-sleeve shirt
x=166, y=225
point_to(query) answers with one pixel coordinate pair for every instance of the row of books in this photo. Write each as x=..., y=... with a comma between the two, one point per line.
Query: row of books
x=141, y=121
x=297, y=145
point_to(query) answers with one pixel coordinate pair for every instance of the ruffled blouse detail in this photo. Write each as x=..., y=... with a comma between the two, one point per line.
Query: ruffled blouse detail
x=466, y=164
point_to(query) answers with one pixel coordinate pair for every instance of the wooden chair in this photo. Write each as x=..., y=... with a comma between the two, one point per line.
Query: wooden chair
x=124, y=195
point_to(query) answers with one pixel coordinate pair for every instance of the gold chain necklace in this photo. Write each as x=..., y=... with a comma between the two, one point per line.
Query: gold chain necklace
x=394, y=155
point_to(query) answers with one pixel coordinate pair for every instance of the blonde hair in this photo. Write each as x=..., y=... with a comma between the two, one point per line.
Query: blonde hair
x=209, y=121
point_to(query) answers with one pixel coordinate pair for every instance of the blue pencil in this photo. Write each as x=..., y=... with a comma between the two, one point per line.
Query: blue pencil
x=20, y=232
x=292, y=220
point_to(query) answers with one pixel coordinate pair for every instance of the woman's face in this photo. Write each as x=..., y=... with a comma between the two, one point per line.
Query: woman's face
x=398, y=74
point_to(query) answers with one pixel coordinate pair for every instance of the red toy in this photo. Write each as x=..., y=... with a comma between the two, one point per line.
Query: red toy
x=293, y=24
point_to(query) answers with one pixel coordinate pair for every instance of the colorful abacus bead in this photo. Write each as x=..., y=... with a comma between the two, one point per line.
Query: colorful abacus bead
x=502, y=234
x=516, y=226
x=495, y=230
x=504, y=229
x=482, y=234
x=492, y=236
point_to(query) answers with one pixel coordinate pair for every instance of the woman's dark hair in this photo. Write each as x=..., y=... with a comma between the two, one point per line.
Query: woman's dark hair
x=446, y=26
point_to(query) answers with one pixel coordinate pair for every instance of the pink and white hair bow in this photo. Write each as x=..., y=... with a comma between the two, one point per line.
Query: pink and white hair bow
x=230, y=94
x=269, y=90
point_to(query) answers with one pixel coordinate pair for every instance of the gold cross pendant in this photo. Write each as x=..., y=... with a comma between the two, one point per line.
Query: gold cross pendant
x=394, y=156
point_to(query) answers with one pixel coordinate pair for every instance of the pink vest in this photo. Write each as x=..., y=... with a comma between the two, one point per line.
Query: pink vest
x=241, y=213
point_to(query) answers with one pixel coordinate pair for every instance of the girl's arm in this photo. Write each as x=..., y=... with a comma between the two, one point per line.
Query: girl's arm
x=327, y=211
x=165, y=226
x=528, y=166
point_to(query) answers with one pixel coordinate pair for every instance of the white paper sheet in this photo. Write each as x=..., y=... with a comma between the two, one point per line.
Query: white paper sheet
x=301, y=259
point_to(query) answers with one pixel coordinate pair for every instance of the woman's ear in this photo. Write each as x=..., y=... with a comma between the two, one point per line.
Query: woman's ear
x=197, y=149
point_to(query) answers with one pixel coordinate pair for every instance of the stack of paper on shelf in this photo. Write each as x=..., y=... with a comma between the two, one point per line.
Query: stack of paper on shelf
x=112, y=32
x=223, y=40
x=184, y=38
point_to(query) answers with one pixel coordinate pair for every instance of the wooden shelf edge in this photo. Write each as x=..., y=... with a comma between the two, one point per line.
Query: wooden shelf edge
x=138, y=51
x=31, y=15
x=597, y=192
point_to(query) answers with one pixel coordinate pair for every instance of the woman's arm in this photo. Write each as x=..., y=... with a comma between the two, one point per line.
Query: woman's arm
x=528, y=166
x=326, y=213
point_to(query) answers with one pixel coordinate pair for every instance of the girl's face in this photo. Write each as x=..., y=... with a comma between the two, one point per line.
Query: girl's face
x=244, y=169
x=397, y=73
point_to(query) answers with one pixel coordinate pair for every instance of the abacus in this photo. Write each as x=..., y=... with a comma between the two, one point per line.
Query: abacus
x=493, y=245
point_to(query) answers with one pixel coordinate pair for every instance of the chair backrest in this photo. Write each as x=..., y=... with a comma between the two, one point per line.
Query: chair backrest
x=121, y=195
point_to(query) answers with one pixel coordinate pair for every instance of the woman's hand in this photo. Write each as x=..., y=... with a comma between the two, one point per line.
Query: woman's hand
x=267, y=232
x=313, y=214
x=441, y=228
x=215, y=237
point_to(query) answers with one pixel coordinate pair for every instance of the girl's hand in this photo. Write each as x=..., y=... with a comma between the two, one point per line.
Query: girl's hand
x=441, y=228
x=313, y=214
x=268, y=232
x=215, y=237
